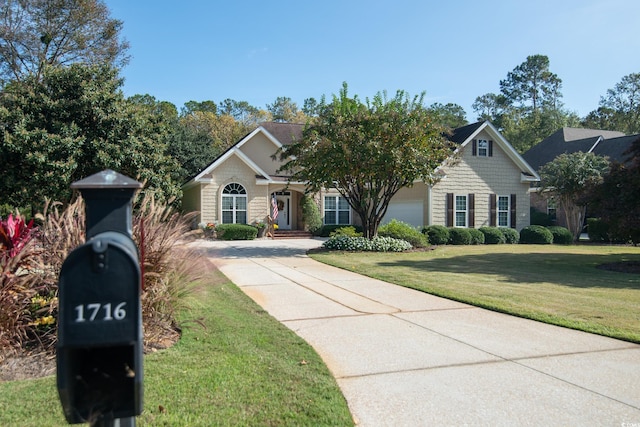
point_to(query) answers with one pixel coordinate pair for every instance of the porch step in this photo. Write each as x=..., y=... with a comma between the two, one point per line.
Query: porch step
x=291, y=234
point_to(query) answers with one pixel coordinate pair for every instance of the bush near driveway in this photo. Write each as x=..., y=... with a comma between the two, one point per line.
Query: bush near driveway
x=236, y=232
x=402, y=230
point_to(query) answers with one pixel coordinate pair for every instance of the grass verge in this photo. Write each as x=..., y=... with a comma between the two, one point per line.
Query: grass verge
x=235, y=365
x=560, y=285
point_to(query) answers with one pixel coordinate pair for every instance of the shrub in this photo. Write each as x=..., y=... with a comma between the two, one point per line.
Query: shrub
x=402, y=230
x=311, y=214
x=349, y=231
x=536, y=234
x=236, y=232
x=561, y=235
x=598, y=230
x=377, y=244
x=326, y=230
x=492, y=235
x=511, y=235
x=477, y=237
x=437, y=234
x=459, y=236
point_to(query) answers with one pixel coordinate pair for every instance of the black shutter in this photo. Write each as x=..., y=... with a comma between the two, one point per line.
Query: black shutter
x=513, y=211
x=474, y=147
x=449, y=209
x=490, y=148
x=472, y=211
x=492, y=210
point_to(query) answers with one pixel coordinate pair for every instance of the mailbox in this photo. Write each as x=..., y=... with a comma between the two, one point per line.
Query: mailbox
x=99, y=351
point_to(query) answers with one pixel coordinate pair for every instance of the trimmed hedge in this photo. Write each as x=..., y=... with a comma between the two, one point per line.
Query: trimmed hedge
x=477, y=236
x=492, y=235
x=437, y=234
x=561, y=235
x=536, y=234
x=511, y=235
x=236, y=232
x=459, y=236
x=403, y=231
x=377, y=244
x=349, y=231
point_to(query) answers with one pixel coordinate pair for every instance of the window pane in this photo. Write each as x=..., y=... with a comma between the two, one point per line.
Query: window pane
x=503, y=219
x=503, y=203
x=461, y=219
x=330, y=217
x=227, y=203
x=342, y=203
x=241, y=203
x=241, y=217
x=330, y=203
x=461, y=203
x=343, y=217
x=227, y=217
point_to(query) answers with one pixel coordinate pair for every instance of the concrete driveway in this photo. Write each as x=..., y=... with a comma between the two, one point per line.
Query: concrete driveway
x=405, y=358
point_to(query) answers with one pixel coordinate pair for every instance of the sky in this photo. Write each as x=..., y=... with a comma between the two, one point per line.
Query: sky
x=453, y=50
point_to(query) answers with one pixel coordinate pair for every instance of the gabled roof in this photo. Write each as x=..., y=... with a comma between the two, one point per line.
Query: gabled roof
x=464, y=135
x=571, y=140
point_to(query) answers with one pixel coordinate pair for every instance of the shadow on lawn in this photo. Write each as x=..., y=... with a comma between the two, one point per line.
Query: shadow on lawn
x=563, y=269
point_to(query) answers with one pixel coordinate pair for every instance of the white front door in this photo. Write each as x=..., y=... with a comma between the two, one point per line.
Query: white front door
x=284, y=212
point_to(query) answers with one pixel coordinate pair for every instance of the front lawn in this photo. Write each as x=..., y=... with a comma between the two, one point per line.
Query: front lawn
x=234, y=366
x=550, y=283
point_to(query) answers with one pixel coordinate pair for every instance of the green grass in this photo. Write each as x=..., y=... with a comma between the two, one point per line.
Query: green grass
x=554, y=284
x=235, y=365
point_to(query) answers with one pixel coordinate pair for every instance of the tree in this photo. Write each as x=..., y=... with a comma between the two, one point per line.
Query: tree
x=568, y=179
x=284, y=109
x=489, y=106
x=616, y=200
x=620, y=108
x=35, y=34
x=368, y=152
x=243, y=112
x=450, y=115
x=532, y=85
x=73, y=123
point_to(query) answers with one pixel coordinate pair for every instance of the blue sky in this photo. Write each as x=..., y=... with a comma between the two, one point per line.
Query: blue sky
x=454, y=50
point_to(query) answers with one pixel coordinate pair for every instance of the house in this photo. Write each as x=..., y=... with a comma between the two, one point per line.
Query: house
x=488, y=185
x=567, y=140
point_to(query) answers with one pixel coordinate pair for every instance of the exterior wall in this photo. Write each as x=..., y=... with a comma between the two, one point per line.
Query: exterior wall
x=191, y=201
x=481, y=176
x=260, y=149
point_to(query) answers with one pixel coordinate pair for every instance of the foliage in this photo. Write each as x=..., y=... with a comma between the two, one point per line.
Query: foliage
x=616, y=200
x=536, y=234
x=459, y=236
x=15, y=233
x=492, y=235
x=349, y=231
x=72, y=124
x=477, y=236
x=598, y=230
x=37, y=34
x=561, y=235
x=376, y=244
x=450, y=115
x=437, y=234
x=532, y=85
x=236, y=232
x=540, y=218
x=402, y=230
x=511, y=235
x=368, y=152
x=569, y=178
x=619, y=109
x=310, y=214
x=283, y=109
x=327, y=229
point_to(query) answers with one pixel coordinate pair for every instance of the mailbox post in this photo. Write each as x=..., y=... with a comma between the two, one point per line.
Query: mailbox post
x=99, y=351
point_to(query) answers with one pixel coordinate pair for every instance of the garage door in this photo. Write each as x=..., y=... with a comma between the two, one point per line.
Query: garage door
x=409, y=211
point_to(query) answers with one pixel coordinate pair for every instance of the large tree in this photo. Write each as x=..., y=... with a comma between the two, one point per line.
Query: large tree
x=620, y=108
x=532, y=85
x=35, y=34
x=451, y=115
x=368, y=151
x=616, y=201
x=283, y=109
x=569, y=179
x=71, y=124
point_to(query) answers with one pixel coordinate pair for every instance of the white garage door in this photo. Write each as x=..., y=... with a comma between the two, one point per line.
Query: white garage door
x=410, y=211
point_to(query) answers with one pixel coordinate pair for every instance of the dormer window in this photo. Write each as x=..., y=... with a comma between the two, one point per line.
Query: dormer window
x=483, y=148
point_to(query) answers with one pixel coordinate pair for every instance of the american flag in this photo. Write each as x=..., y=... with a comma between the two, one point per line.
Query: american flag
x=274, y=208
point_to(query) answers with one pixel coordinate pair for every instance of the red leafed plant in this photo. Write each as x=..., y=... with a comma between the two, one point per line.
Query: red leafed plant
x=15, y=233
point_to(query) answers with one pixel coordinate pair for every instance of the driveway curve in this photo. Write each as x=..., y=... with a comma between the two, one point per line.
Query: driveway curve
x=405, y=358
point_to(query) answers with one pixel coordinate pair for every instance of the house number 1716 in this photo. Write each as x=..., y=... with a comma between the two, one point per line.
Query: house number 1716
x=97, y=311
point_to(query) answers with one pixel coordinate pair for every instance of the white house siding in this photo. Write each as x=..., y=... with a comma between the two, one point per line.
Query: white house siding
x=260, y=149
x=482, y=176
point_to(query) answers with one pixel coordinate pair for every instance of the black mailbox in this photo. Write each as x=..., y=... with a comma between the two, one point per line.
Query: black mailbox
x=99, y=352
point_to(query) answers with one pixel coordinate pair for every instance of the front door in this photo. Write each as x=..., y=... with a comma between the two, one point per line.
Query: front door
x=284, y=211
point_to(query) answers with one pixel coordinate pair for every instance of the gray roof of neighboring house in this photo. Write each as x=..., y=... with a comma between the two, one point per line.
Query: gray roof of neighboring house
x=571, y=140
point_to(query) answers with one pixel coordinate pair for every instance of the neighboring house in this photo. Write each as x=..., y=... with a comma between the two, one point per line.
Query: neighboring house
x=612, y=144
x=488, y=185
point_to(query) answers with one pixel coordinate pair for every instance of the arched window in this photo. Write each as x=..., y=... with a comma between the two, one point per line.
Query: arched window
x=234, y=204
